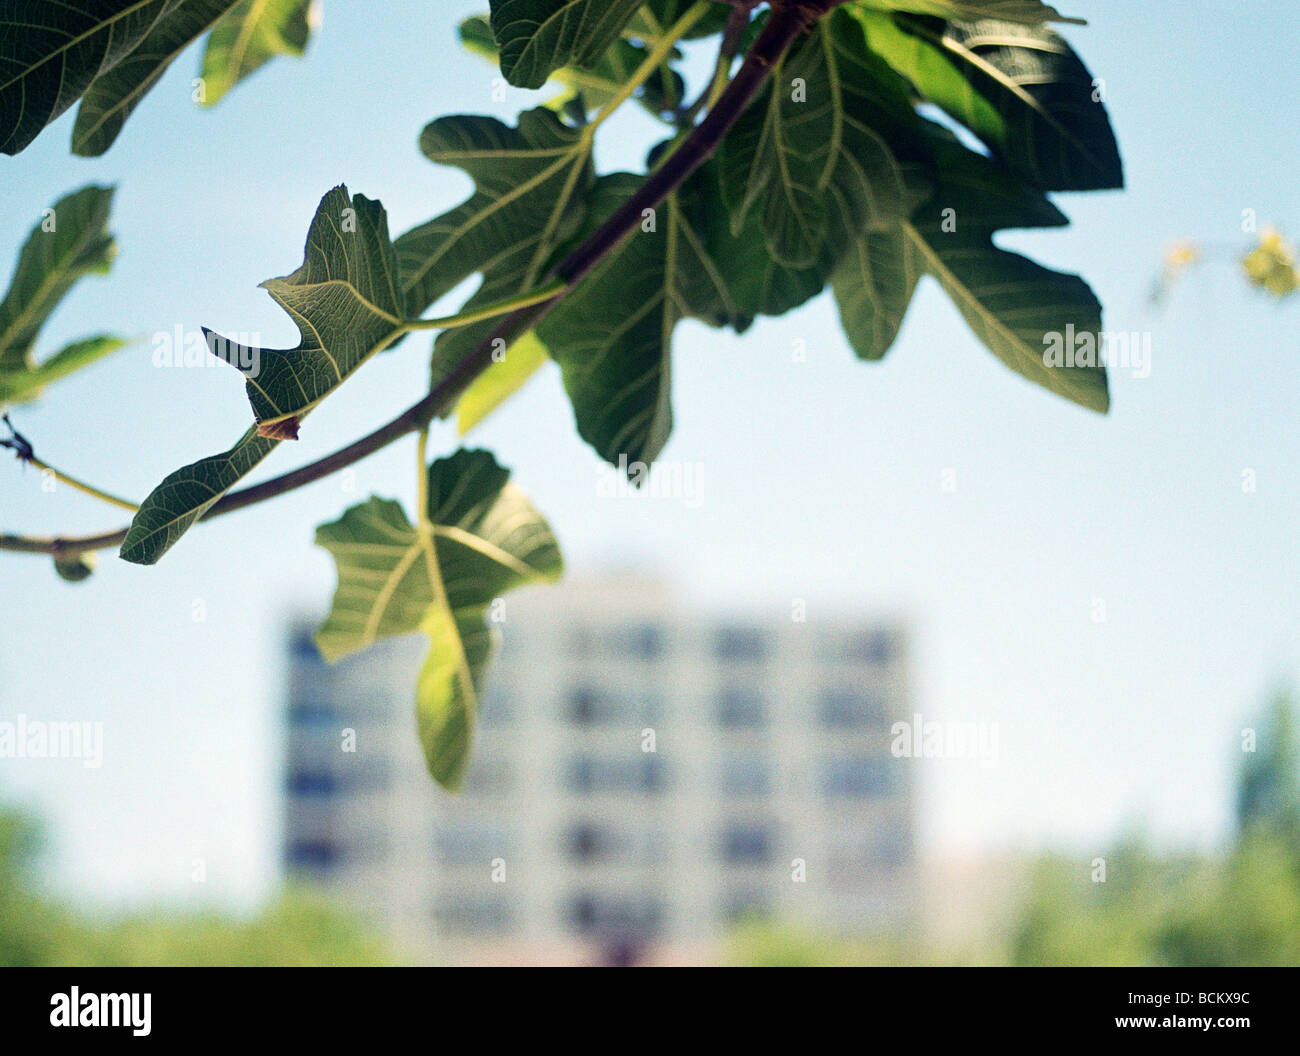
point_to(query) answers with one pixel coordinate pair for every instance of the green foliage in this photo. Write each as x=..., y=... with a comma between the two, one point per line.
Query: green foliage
x=297, y=929
x=537, y=37
x=1241, y=910
x=831, y=148
x=531, y=184
x=1268, y=785
x=814, y=167
x=1021, y=89
x=110, y=53
x=253, y=33
x=346, y=301
x=615, y=360
x=1027, y=12
x=477, y=538
x=69, y=244
x=112, y=96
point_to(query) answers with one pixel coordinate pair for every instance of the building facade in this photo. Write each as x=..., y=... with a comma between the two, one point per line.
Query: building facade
x=642, y=779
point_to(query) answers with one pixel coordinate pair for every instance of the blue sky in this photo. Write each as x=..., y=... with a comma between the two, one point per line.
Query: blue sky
x=821, y=479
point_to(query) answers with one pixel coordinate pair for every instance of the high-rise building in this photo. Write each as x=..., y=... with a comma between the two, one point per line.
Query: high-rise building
x=642, y=777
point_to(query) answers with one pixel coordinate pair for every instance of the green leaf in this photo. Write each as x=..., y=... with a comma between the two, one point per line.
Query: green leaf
x=250, y=36
x=23, y=385
x=537, y=37
x=831, y=147
x=1017, y=307
x=599, y=83
x=612, y=335
x=1021, y=89
x=500, y=381
x=529, y=182
x=1026, y=12
x=656, y=16
x=478, y=538
x=72, y=241
x=873, y=286
x=51, y=52
x=170, y=510
x=112, y=96
x=346, y=301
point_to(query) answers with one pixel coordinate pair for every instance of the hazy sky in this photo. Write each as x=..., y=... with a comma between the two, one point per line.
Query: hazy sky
x=821, y=479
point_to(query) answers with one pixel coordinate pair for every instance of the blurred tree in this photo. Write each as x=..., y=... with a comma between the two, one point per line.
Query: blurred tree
x=1268, y=788
x=296, y=930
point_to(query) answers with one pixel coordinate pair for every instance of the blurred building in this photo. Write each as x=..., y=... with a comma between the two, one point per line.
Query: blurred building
x=642, y=777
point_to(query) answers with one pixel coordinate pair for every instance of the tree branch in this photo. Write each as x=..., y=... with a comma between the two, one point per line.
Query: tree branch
x=789, y=19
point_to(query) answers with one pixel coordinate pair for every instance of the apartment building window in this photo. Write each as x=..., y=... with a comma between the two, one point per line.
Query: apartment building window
x=312, y=713
x=313, y=784
x=741, y=905
x=590, y=707
x=312, y=854
x=861, y=647
x=741, y=643
x=588, y=843
x=857, y=778
x=642, y=772
x=747, y=843
x=646, y=642
x=303, y=648
x=494, y=708
x=610, y=916
x=741, y=709
x=849, y=708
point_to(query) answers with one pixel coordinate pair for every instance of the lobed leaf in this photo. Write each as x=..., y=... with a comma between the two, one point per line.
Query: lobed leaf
x=530, y=185
x=831, y=147
x=1012, y=304
x=346, y=299
x=478, y=538
x=612, y=335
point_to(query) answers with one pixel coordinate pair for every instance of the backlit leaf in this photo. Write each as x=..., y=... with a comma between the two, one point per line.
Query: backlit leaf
x=537, y=37
x=112, y=96
x=1021, y=89
x=253, y=33
x=72, y=241
x=479, y=538
x=346, y=301
x=830, y=148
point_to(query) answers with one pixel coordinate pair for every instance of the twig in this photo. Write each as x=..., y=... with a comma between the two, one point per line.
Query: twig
x=788, y=21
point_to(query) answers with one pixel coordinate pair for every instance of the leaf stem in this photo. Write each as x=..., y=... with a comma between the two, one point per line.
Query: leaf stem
x=788, y=21
x=81, y=485
x=489, y=311
x=422, y=480
x=657, y=57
